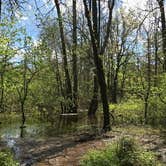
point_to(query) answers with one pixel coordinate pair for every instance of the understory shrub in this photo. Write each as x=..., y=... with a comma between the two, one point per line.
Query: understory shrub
x=125, y=152
x=156, y=114
x=6, y=159
x=130, y=111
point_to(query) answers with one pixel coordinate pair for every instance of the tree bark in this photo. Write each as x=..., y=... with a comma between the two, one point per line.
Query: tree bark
x=67, y=76
x=2, y=93
x=75, y=71
x=114, y=89
x=148, y=82
x=23, y=114
x=156, y=53
x=163, y=23
x=55, y=66
x=94, y=101
x=99, y=64
x=0, y=9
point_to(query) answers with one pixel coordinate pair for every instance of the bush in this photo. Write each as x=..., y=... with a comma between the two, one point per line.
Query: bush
x=6, y=159
x=156, y=114
x=130, y=111
x=123, y=153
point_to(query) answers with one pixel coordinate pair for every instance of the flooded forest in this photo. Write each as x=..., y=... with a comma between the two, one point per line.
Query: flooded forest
x=82, y=83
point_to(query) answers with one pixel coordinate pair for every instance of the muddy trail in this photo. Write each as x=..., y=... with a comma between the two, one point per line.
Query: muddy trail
x=67, y=150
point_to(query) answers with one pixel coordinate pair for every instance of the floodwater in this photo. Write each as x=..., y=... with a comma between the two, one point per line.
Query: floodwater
x=40, y=131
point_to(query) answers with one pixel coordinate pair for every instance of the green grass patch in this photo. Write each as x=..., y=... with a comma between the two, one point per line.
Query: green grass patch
x=7, y=159
x=125, y=152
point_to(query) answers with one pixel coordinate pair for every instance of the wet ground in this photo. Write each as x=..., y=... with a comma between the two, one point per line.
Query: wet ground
x=153, y=140
x=43, y=137
x=63, y=141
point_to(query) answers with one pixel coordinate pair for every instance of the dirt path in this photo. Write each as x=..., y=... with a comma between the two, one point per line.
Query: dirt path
x=151, y=139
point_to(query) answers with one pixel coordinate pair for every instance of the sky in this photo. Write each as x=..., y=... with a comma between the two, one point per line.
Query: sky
x=133, y=4
x=28, y=20
x=28, y=17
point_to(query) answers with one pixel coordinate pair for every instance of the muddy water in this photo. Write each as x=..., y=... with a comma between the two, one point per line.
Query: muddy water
x=43, y=136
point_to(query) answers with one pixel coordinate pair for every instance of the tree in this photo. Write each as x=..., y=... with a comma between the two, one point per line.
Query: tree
x=123, y=41
x=96, y=27
x=27, y=70
x=9, y=37
x=97, y=53
x=163, y=23
x=64, y=52
x=75, y=71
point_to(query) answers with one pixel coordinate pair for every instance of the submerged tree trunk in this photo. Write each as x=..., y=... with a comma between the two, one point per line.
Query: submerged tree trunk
x=67, y=76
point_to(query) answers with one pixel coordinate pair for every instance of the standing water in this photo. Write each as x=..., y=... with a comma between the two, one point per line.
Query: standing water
x=43, y=137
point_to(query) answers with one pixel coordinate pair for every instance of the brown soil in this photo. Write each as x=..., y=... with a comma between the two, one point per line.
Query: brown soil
x=150, y=139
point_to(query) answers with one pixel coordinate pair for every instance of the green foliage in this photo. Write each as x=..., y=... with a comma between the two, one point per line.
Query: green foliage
x=105, y=157
x=6, y=159
x=125, y=152
x=157, y=102
x=130, y=111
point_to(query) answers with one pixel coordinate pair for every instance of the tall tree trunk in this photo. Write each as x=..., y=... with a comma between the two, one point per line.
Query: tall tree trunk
x=123, y=82
x=163, y=23
x=115, y=82
x=108, y=77
x=156, y=62
x=2, y=93
x=23, y=114
x=156, y=53
x=55, y=66
x=111, y=78
x=148, y=82
x=94, y=101
x=98, y=61
x=67, y=76
x=75, y=71
x=114, y=89
x=0, y=9
x=25, y=92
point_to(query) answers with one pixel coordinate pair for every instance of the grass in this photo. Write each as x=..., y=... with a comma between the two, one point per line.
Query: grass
x=125, y=152
x=7, y=159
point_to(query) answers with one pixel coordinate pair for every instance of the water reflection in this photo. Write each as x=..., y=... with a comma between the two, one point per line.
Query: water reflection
x=37, y=128
x=67, y=122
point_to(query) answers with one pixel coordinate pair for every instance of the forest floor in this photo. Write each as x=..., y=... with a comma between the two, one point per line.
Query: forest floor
x=69, y=151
